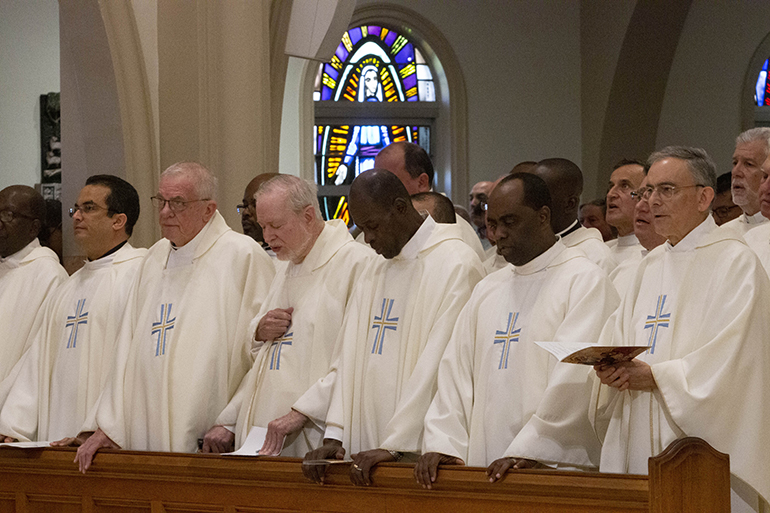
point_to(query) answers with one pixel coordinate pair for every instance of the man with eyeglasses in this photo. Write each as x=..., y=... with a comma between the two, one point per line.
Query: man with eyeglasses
x=477, y=207
x=723, y=208
x=625, y=178
x=645, y=232
x=699, y=302
x=71, y=353
x=565, y=182
x=752, y=147
x=247, y=209
x=28, y=272
x=182, y=349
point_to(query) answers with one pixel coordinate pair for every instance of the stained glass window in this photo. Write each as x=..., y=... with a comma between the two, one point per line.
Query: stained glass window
x=762, y=90
x=372, y=64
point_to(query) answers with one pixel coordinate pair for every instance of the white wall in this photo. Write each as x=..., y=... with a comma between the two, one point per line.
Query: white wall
x=29, y=67
x=702, y=106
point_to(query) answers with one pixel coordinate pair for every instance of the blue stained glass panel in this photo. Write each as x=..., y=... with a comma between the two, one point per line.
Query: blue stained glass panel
x=406, y=55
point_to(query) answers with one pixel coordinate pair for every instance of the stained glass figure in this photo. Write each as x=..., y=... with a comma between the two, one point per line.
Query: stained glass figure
x=372, y=64
x=762, y=90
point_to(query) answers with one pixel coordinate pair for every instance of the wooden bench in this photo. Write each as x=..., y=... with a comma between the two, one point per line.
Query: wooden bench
x=689, y=476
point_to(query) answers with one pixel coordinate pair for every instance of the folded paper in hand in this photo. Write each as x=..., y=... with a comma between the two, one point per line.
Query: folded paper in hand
x=253, y=443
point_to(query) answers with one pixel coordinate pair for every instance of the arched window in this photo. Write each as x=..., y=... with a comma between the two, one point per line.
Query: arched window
x=377, y=89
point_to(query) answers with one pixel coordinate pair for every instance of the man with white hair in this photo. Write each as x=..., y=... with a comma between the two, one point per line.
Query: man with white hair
x=699, y=302
x=183, y=345
x=752, y=147
x=297, y=327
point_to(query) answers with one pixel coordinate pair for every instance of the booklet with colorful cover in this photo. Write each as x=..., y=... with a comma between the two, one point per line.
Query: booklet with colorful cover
x=591, y=354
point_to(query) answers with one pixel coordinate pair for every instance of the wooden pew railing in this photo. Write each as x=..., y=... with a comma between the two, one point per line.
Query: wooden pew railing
x=690, y=476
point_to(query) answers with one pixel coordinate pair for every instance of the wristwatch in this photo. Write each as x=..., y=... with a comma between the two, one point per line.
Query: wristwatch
x=396, y=455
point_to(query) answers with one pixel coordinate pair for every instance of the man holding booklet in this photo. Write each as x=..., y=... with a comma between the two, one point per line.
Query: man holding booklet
x=700, y=302
x=493, y=378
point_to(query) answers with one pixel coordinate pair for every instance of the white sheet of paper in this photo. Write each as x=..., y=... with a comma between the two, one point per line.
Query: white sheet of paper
x=253, y=444
x=27, y=445
x=563, y=349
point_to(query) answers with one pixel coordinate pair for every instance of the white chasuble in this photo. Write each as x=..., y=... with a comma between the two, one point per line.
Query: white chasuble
x=743, y=224
x=495, y=262
x=27, y=278
x=294, y=367
x=493, y=377
x=627, y=247
x=63, y=373
x=394, y=333
x=758, y=239
x=470, y=237
x=590, y=241
x=701, y=306
x=184, y=345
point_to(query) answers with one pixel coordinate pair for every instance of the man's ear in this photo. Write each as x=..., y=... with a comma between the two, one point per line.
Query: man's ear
x=211, y=207
x=573, y=203
x=423, y=182
x=545, y=215
x=308, y=214
x=705, y=198
x=34, y=228
x=401, y=205
x=119, y=221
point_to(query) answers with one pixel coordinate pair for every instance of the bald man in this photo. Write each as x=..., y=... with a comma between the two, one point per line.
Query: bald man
x=565, y=182
x=396, y=328
x=248, y=212
x=412, y=165
x=438, y=206
x=28, y=271
x=477, y=204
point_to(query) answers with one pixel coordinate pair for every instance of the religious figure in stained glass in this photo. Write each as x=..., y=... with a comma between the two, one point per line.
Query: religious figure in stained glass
x=762, y=89
x=371, y=64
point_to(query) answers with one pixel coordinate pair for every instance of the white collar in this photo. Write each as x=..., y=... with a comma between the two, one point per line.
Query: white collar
x=757, y=218
x=541, y=261
x=695, y=237
x=418, y=240
x=628, y=240
x=12, y=261
x=567, y=229
x=184, y=255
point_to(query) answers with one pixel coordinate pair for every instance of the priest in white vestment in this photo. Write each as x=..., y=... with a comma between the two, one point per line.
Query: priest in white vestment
x=63, y=373
x=412, y=165
x=699, y=302
x=626, y=177
x=565, y=182
x=183, y=347
x=493, y=376
x=649, y=239
x=395, y=330
x=758, y=239
x=752, y=148
x=296, y=329
x=28, y=271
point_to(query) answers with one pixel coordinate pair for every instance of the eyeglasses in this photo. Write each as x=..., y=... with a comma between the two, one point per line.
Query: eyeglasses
x=241, y=208
x=665, y=191
x=722, y=212
x=174, y=205
x=87, y=208
x=7, y=216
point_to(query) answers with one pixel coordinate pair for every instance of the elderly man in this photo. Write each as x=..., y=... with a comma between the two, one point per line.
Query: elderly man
x=28, y=271
x=248, y=212
x=477, y=206
x=565, y=182
x=182, y=351
x=297, y=326
x=699, y=302
x=758, y=239
x=396, y=328
x=752, y=147
x=412, y=165
x=67, y=366
x=723, y=209
x=626, y=177
x=648, y=238
x=492, y=376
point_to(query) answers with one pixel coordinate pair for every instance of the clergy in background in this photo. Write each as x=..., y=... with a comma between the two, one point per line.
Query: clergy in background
x=565, y=183
x=493, y=376
x=626, y=177
x=296, y=329
x=28, y=271
x=412, y=165
x=396, y=328
x=645, y=233
x=248, y=211
x=67, y=366
x=758, y=238
x=183, y=346
x=699, y=301
x=752, y=147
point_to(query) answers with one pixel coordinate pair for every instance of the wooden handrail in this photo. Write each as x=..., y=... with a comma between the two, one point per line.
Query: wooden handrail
x=126, y=481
